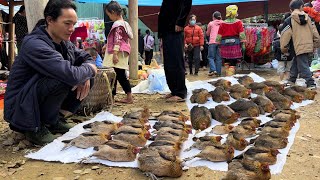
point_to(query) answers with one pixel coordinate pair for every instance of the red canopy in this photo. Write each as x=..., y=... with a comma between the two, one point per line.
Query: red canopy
x=4, y=2
x=204, y=12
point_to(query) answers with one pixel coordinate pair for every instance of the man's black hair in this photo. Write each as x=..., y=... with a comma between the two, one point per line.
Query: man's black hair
x=148, y=31
x=53, y=8
x=114, y=6
x=296, y=4
x=22, y=8
x=217, y=15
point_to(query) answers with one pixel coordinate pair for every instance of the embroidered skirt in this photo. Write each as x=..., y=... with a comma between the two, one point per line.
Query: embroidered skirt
x=231, y=52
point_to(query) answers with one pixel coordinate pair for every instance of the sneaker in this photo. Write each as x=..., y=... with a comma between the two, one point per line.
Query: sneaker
x=61, y=127
x=41, y=137
x=212, y=73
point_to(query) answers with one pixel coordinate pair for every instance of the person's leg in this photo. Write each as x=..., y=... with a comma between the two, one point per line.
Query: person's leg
x=293, y=71
x=150, y=56
x=125, y=84
x=146, y=58
x=218, y=60
x=281, y=69
x=174, y=64
x=304, y=70
x=205, y=56
x=211, y=55
x=196, y=58
x=190, y=61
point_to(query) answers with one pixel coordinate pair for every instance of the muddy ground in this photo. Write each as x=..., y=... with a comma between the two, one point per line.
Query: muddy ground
x=302, y=162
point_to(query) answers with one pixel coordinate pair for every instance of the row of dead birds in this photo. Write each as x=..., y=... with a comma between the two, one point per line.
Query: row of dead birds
x=271, y=96
x=121, y=142
x=254, y=162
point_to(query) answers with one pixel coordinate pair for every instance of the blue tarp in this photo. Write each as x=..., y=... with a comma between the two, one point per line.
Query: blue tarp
x=158, y=2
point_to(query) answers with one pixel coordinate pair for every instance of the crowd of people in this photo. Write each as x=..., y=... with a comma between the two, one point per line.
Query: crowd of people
x=51, y=76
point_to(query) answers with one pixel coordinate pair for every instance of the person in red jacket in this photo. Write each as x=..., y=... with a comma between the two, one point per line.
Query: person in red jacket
x=193, y=43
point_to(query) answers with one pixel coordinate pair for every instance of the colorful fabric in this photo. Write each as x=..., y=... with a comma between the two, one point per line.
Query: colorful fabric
x=81, y=32
x=316, y=5
x=119, y=35
x=312, y=13
x=234, y=29
x=231, y=52
x=232, y=11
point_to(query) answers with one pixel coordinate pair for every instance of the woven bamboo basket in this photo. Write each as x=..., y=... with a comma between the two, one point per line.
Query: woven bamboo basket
x=100, y=95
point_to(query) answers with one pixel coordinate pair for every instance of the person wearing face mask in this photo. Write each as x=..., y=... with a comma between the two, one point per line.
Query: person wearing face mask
x=193, y=43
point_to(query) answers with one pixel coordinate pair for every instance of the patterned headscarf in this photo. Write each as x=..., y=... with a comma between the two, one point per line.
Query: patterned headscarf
x=232, y=11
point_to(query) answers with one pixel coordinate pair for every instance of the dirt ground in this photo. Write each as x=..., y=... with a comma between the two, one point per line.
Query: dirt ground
x=302, y=162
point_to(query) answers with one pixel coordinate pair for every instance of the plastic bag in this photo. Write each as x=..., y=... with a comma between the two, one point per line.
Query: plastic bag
x=157, y=82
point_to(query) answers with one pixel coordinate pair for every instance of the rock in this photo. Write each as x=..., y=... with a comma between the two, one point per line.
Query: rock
x=76, y=178
x=86, y=171
x=199, y=174
x=3, y=162
x=15, y=149
x=95, y=167
x=119, y=171
x=310, y=154
x=77, y=171
x=302, y=138
x=308, y=135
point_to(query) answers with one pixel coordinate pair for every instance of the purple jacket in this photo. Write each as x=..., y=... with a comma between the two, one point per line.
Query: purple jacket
x=120, y=34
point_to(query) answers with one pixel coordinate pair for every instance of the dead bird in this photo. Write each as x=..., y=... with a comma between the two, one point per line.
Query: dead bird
x=280, y=123
x=173, y=114
x=168, y=136
x=285, y=115
x=308, y=93
x=279, y=101
x=219, y=95
x=265, y=104
x=106, y=127
x=202, y=142
x=224, y=114
x=245, y=108
x=259, y=88
x=263, y=155
x=138, y=113
x=222, y=129
x=86, y=140
x=245, y=130
x=167, y=146
x=134, y=138
x=238, y=91
x=216, y=153
x=200, y=117
x=116, y=151
x=128, y=128
x=253, y=122
x=270, y=141
x=245, y=80
x=160, y=163
x=129, y=121
x=237, y=141
x=184, y=133
x=293, y=95
x=172, y=124
x=275, y=85
x=200, y=96
x=225, y=84
x=276, y=131
x=248, y=170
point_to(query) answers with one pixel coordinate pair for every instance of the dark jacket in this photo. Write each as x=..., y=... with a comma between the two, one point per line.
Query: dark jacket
x=38, y=58
x=172, y=13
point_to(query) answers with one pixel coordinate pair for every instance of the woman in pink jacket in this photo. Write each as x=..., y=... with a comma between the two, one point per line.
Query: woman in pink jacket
x=118, y=49
x=214, y=57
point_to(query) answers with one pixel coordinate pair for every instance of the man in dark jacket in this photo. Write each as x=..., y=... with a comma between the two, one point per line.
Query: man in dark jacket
x=172, y=19
x=49, y=76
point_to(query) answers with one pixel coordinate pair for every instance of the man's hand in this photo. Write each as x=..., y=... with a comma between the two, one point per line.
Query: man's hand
x=115, y=58
x=94, y=68
x=201, y=48
x=178, y=28
x=82, y=90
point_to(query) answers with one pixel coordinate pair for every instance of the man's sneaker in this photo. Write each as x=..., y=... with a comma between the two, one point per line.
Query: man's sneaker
x=61, y=127
x=312, y=87
x=213, y=73
x=41, y=137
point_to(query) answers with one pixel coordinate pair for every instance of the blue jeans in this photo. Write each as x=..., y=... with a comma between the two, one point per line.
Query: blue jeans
x=214, y=58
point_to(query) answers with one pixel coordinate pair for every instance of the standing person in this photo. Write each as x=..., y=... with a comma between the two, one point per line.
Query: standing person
x=118, y=49
x=204, y=52
x=214, y=57
x=172, y=18
x=140, y=43
x=231, y=36
x=304, y=37
x=51, y=77
x=193, y=43
x=148, y=47
x=21, y=26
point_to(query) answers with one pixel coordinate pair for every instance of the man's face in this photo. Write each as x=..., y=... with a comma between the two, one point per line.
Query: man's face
x=62, y=28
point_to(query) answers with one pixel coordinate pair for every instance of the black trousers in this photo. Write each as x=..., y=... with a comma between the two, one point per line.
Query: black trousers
x=194, y=58
x=54, y=95
x=149, y=56
x=124, y=82
x=174, y=63
x=204, y=54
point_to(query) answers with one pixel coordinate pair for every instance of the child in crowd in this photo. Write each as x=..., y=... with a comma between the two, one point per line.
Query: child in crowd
x=95, y=56
x=118, y=48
